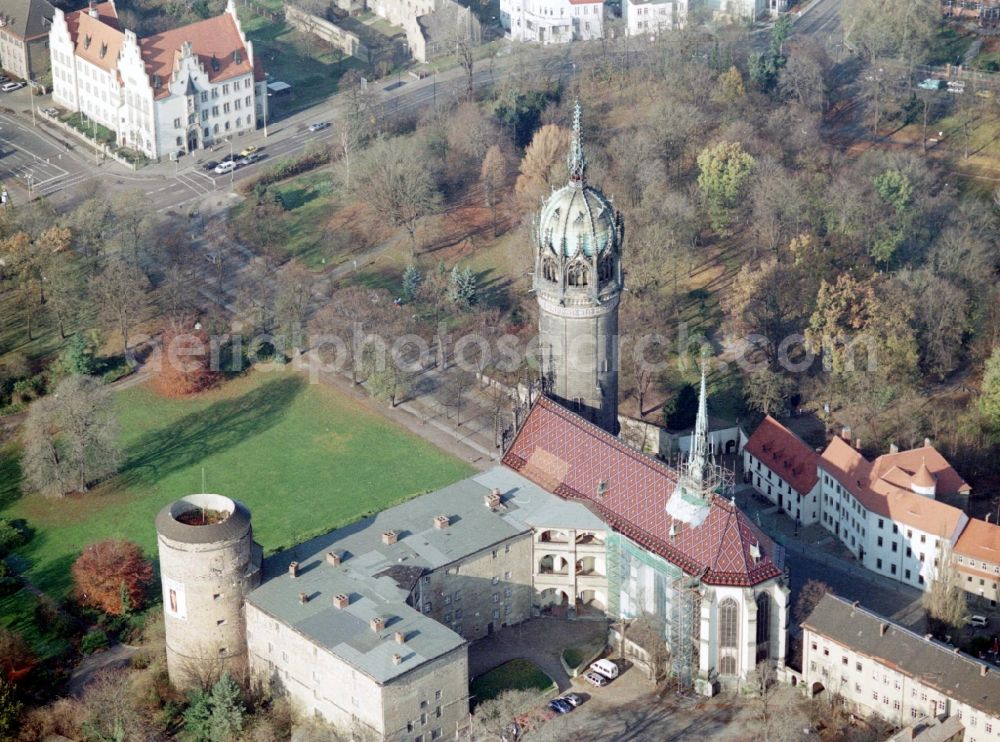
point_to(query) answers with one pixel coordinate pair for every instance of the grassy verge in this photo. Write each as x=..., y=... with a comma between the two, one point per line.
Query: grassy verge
x=513, y=675
x=18, y=613
x=304, y=458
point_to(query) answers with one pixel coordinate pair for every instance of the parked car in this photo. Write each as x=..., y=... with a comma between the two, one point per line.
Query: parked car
x=560, y=706
x=230, y=158
x=574, y=699
x=956, y=86
x=978, y=621
x=595, y=678
x=210, y=165
x=247, y=151
x=607, y=668
x=225, y=167
x=4, y=78
x=319, y=126
x=931, y=83
x=50, y=111
x=9, y=87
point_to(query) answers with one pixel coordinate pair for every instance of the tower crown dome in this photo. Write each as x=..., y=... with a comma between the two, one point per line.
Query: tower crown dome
x=578, y=219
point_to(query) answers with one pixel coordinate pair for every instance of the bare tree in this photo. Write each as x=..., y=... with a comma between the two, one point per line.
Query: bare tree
x=945, y=601
x=71, y=438
x=493, y=176
x=396, y=184
x=493, y=716
x=120, y=293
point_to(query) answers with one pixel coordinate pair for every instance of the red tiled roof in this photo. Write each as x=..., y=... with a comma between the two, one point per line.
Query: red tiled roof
x=946, y=478
x=97, y=40
x=784, y=453
x=106, y=14
x=980, y=540
x=568, y=456
x=213, y=38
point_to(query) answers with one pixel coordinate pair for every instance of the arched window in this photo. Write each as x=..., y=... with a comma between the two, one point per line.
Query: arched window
x=605, y=269
x=549, y=270
x=729, y=632
x=578, y=275
x=763, y=626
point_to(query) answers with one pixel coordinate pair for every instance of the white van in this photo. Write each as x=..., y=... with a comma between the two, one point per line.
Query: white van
x=607, y=668
x=978, y=621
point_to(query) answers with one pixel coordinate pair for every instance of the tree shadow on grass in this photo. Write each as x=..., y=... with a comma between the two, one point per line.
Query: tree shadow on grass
x=10, y=477
x=201, y=434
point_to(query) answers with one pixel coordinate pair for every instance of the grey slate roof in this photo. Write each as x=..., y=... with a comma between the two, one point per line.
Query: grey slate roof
x=378, y=577
x=957, y=676
x=27, y=18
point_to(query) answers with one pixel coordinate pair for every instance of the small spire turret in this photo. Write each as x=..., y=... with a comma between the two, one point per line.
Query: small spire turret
x=577, y=160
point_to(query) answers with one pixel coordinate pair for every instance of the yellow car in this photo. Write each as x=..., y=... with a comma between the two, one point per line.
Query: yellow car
x=248, y=151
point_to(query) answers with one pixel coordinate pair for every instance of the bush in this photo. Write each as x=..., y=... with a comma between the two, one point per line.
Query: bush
x=93, y=641
x=9, y=582
x=13, y=533
x=118, y=372
x=287, y=169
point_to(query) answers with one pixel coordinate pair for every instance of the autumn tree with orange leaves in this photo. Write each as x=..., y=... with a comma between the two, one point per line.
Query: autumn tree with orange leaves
x=112, y=576
x=185, y=362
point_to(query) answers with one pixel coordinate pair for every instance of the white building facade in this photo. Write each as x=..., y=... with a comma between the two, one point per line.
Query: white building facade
x=553, y=21
x=881, y=669
x=653, y=16
x=167, y=94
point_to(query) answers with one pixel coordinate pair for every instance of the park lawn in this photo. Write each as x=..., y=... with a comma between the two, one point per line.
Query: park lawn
x=17, y=613
x=293, y=57
x=303, y=457
x=513, y=675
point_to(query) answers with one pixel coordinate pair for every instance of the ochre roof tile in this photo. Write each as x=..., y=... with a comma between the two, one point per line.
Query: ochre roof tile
x=785, y=454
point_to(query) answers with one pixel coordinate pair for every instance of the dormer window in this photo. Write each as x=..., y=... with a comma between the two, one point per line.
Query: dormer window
x=104, y=50
x=238, y=56
x=157, y=82
x=215, y=63
x=86, y=41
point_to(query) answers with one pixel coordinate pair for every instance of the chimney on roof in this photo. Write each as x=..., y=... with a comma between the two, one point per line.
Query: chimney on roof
x=927, y=442
x=673, y=531
x=341, y=601
x=893, y=448
x=396, y=659
x=333, y=558
x=983, y=669
x=492, y=500
x=389, y=538
x=303, y=598
x=293, y=569
x=377, y=624
x=845, y=433
x=602, y=488
x=441, y=522
x=400, y=637
x=855, y=604
x=957, y=650
x=882, y=628
x=92, y=10
x=928, y=637
x=987, y=518
x=857, y=443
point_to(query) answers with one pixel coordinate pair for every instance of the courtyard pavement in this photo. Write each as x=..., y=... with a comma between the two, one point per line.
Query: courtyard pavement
x=540, y=640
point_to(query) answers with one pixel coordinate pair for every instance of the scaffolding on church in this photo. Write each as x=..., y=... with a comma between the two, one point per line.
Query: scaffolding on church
x=642, y=583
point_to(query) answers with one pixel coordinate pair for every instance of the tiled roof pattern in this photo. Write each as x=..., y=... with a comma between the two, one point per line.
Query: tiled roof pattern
x=98, y=42
x=980, y=540
x=785, y=454
x=883, y=495
x=106, y=14
x=27, y=19
x=568, y=456
x=213, y=38
x=948, y=480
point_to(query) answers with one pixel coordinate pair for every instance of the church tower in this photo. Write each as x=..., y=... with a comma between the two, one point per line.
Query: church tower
x=578, y=281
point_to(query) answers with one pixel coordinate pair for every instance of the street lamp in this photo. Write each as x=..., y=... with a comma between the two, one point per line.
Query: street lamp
x=232, y=159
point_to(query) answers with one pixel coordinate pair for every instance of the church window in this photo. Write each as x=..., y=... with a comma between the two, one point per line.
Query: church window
x=549, y=270
x=578, y=275
x=763, y=626
x=729, y=614
x=604, y=269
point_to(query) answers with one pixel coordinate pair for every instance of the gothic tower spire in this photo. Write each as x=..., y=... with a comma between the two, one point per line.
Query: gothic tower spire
x=576, y=160
x=698, y=455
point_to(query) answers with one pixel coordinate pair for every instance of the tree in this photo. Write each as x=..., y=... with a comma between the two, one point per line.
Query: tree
x=889, y=28
x=539, y=169
x=411, y=282
x=389, y=383
x=217, y=715
x=471, y=131
x=120, y=293
x=681, y=411
x=767, y=390
x=492, y=177
x=76, y=358
x=494, y=715
x=989, y=399
x=111, y=713
x=941, y=319
x=765, y=301
x=396, y=184
x=730, y=86
x=805, y=77
x=71, y=438
x=453, y=390
x=107, y=571
x=131, y=224
x=810, y=595
x=762, y=682
x=462, y=289
x=65, y=290
x=15, y=656
x=945, y=601
x=291, y=301
x=724, y=173
x=10, y=710
x=185, y=361
x=649, y=633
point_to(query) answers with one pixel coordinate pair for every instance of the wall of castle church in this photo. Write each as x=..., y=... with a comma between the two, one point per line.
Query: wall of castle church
x=570, y=569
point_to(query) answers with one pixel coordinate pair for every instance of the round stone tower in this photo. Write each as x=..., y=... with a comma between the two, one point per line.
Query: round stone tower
x=208, y=563
x=578, y=282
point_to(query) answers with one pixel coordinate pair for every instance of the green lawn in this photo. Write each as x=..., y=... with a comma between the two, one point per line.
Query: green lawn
x=304, y=458
x=17, y=612
x=307, y=64
x=513, y=675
